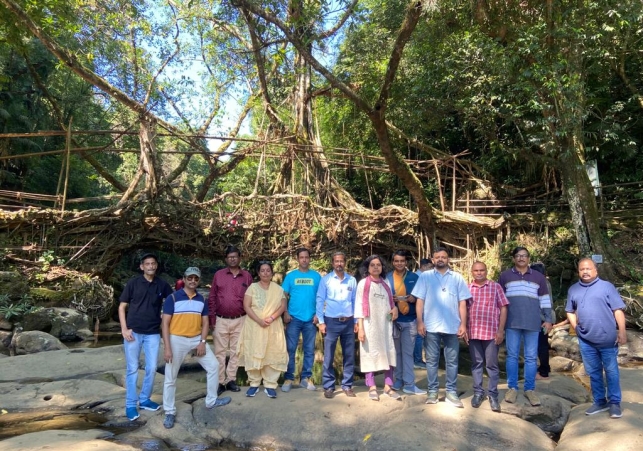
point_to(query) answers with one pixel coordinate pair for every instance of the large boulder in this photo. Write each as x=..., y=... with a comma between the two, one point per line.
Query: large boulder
x=5, y=324
x=35, y=341
x=562, y=364
x=66, y=322
x=565, y=345
x=37, y=319
x=5, y=341
x=62, y=323
x=558, y=395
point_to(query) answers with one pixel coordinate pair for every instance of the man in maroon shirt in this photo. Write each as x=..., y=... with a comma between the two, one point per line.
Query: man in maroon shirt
x=227, y=315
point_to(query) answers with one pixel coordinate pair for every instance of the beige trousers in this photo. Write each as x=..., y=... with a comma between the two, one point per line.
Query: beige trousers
x=226, y=341
x=269, y=375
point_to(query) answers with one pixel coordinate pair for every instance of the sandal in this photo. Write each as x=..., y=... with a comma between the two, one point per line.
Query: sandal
x=372, y=394
x=393, y=394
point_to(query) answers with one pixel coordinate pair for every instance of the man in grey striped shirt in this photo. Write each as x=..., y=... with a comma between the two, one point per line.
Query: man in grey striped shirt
x=528, y=297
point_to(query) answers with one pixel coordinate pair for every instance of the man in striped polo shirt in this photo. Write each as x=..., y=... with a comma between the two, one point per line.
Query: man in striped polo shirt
x=185, y=329
x=528, y=297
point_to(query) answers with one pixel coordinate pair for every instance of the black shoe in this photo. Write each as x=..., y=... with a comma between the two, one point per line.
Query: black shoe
x=232, y=386
x=329, y=393
x=477, y=400
x=221, y=389
x=349, y=392
x=495, y=405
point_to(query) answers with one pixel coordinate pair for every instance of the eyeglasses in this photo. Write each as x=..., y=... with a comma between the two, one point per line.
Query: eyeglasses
x=193, y=278
x=521, y=256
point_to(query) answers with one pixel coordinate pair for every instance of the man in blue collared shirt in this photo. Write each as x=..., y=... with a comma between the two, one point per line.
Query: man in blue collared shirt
x=442, y=317
x=335, y=308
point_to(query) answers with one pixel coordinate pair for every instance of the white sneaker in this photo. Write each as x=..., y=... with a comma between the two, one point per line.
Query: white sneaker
x=307, y=384
x=287, y=385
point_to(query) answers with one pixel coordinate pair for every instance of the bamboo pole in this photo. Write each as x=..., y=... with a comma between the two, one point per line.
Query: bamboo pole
x=453, y=191
x=68, y=144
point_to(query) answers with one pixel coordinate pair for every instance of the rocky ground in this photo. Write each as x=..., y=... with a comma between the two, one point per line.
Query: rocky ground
x=68, y=388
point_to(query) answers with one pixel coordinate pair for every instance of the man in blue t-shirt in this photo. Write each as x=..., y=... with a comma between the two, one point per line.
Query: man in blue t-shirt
x=300, y=287
x=594, y=309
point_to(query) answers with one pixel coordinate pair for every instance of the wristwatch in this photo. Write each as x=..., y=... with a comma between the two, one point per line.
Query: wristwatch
x=203, y=341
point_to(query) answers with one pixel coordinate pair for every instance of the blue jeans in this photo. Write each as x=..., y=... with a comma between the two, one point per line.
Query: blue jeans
x=513, y=338
x=342, y=330
x=596, y=360
x=308, y=330
x=432, y=350
x=404, y=348
x=150, y=346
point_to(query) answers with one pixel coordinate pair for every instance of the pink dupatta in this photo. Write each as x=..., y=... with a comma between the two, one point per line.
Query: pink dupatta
x=366, y=311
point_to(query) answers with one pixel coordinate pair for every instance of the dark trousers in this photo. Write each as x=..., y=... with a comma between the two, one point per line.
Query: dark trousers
x=484, y=352
x=344, y=331
x=543, y=354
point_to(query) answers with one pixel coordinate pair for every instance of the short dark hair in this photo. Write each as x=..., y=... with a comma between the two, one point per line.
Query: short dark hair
x=425, y=261
x=400, y=253
x=231, y=249
x=441, y=249
x=149, y=255
x=300, y=250
x=518, y=249
x=368, y=261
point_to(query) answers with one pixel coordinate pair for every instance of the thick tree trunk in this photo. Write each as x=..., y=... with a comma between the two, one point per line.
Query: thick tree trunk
x=149, y=158
x=402, y=170
x=585, y=215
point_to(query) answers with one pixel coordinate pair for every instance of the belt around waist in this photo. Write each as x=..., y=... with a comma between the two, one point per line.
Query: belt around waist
x=230, y=317
x=341, y=319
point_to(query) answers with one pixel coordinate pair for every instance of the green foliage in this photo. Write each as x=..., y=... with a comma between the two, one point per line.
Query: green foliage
x=13, y=310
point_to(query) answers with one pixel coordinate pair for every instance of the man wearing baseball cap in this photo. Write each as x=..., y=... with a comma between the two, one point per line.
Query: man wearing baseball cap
x=139, y=313
x=185, y=330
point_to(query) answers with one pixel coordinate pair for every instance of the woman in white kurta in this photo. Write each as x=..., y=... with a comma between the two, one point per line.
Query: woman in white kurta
x=375, y=313
x=262, y=347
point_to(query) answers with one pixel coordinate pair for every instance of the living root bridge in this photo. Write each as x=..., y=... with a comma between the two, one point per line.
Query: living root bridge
x=264, y=226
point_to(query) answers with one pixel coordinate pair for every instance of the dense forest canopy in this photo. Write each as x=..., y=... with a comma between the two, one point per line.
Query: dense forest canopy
x=353, y=103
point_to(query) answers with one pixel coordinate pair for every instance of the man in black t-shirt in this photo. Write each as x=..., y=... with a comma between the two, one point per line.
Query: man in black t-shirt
x=139, y=313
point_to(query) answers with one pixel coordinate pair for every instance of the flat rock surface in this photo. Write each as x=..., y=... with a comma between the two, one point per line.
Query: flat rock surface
x=600, y=432
x=307, y=421
x=63, y=364
x=631, y=384
x=302, y=419
x=69, y=394
x=62, y=440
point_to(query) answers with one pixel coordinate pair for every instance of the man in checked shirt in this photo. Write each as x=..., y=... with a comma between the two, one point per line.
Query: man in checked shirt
x=487, y=314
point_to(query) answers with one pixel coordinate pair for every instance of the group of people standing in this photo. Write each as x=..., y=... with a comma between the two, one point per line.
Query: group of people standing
x=387, y=312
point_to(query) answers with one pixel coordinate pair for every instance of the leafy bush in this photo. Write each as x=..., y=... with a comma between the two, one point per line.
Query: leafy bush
x=10, y=310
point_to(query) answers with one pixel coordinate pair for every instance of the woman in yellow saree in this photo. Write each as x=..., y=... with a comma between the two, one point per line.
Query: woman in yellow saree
x=262, y=348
